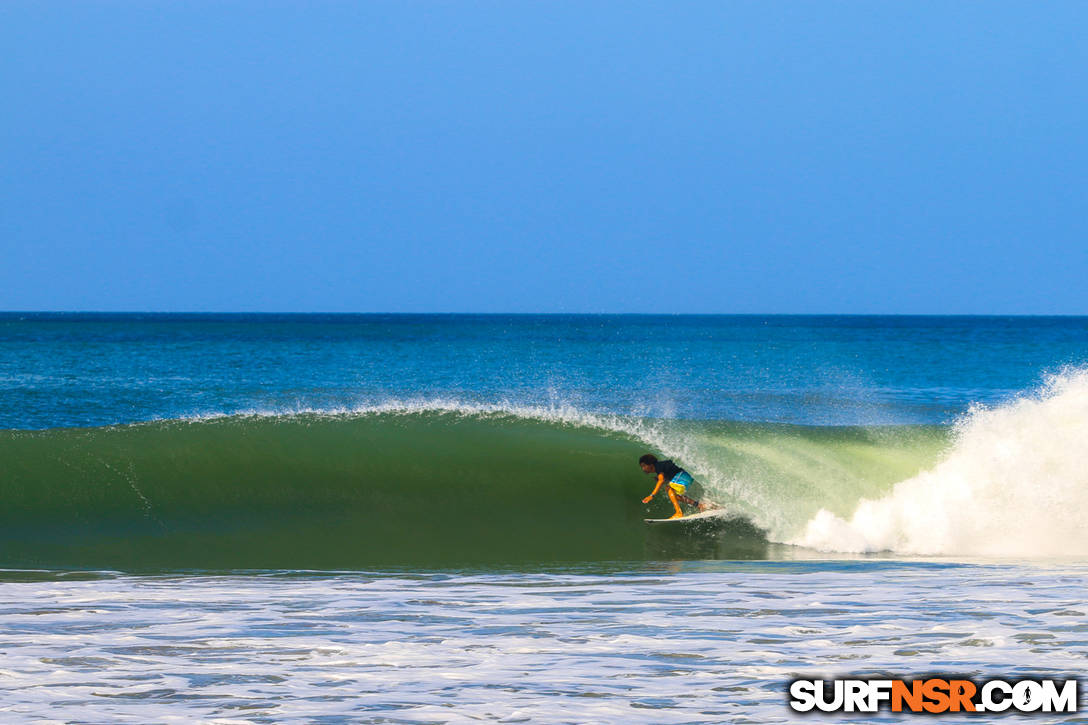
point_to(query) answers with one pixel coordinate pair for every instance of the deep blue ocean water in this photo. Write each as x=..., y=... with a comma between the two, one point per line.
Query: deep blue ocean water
x=85, y=369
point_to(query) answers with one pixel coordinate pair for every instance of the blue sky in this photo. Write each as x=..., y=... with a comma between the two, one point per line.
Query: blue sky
x=733, y=157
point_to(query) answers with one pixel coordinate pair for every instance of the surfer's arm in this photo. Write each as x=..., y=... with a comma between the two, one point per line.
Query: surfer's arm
x=660, y=481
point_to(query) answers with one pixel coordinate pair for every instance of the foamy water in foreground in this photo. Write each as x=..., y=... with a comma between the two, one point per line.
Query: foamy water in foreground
x=693, y=642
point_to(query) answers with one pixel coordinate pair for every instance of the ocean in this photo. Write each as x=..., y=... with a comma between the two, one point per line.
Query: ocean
x=437, y=518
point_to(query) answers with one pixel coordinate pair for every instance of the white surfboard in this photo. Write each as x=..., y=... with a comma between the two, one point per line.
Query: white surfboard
x=711, y=514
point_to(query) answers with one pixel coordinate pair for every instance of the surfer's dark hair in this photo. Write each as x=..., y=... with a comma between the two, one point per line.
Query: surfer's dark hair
x=649, y=459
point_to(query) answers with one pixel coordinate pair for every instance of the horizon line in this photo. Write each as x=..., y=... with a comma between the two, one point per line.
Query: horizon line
x=553, y=313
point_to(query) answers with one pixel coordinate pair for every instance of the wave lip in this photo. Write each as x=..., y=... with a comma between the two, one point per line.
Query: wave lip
x=1013, y=484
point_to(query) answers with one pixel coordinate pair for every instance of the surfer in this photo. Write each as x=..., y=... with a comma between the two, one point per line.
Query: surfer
x=678, y=479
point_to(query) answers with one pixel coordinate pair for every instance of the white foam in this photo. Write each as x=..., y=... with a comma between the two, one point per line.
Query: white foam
x=652, y=645
x=1014, y=483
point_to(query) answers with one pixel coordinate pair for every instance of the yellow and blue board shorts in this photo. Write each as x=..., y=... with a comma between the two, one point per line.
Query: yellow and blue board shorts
x=680, y=482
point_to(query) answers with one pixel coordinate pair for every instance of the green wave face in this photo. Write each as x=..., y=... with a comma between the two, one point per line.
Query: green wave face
x=421, y=489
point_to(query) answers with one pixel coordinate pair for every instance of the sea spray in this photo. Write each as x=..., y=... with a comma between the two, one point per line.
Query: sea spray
x=1014, y=484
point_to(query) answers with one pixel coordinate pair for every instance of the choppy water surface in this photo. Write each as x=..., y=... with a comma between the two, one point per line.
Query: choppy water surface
x=678, y=643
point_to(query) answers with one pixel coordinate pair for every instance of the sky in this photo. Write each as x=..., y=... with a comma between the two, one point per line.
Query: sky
x=514, y=156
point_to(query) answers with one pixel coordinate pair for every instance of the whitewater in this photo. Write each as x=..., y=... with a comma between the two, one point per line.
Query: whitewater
x=1014, y=483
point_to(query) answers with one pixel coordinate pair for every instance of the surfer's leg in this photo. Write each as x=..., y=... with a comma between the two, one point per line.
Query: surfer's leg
x=702, y=503
x=708, y=505
x=675, y=505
